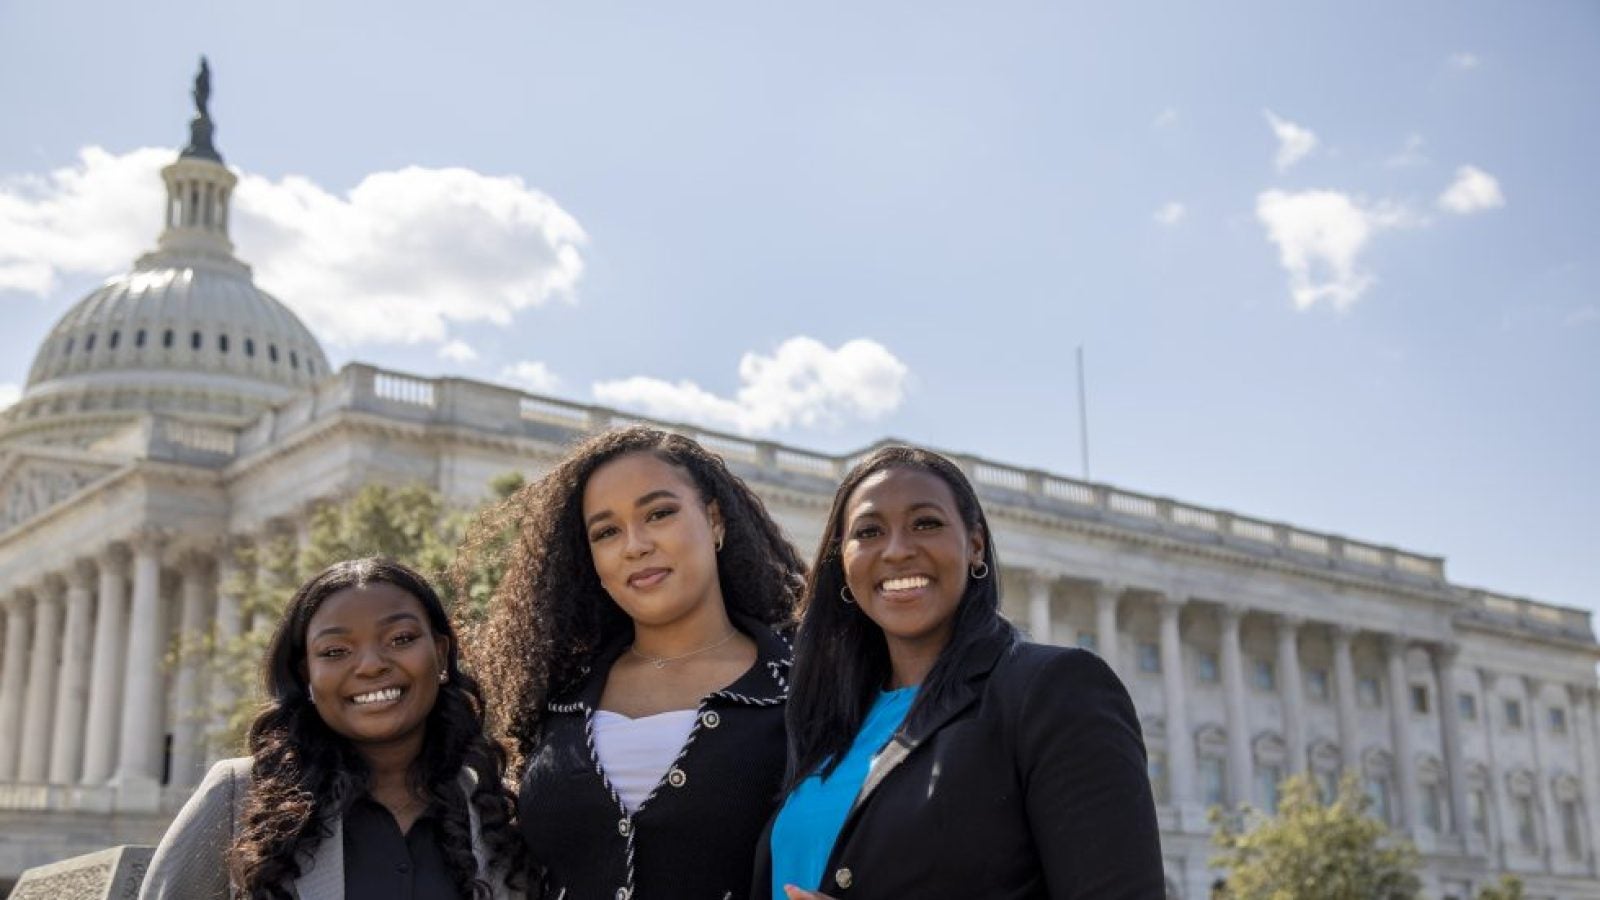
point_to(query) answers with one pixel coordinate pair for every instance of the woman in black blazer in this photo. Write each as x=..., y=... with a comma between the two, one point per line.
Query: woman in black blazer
x=932, y=753
x=634, y=658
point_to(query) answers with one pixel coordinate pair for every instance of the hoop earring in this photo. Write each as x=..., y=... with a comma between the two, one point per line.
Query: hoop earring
x=980, y=575
x=311, y=695
x=444, y=676
x=846, y=596
x=719, y=545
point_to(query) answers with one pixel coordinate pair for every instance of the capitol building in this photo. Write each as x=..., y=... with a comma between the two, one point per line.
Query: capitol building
x=179, y=413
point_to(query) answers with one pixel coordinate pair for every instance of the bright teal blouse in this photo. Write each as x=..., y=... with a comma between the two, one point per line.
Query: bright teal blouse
x=808, y=825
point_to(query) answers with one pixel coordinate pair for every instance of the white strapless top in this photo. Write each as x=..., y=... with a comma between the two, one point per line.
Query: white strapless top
x=636, y=753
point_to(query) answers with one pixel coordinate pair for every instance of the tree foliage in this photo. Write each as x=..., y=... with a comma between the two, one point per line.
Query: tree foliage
x=1509, y=888
x=1311, y=850
x=412, y=524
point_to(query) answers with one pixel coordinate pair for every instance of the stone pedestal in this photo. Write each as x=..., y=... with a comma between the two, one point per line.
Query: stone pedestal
x=113, y=874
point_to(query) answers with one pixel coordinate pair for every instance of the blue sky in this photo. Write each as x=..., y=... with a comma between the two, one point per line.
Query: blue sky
x=1331, y=263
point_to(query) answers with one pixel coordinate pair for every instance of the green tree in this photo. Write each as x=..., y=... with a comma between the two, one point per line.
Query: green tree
x=1313, y=851
x=1509, y=888
x=412, y=524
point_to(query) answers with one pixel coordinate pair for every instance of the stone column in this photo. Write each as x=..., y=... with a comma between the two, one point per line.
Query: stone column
x=1444, y=667
x=44, y=660
x=72, y=695
x=1039, y=608
x=1583, y=732
x=1344, y=678
x=1240, y=765
x=1405, y=763
x=143, y=719
x=1180, y=742
x=188, y=738
x=229, y=628
x=1542, y=794
x=103, y=724
x=19, y=628
x=1105, y=621
x=1294, y=698
x=1497, y=803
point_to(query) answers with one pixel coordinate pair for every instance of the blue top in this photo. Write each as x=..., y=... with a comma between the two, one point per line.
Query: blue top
x=811, y=817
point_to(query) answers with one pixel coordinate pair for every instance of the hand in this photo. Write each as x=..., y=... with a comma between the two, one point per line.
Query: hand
x=798, y=894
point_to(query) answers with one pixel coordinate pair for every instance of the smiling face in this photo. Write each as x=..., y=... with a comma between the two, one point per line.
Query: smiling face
x=653, y=539
x=373, y=664
x=907, y=555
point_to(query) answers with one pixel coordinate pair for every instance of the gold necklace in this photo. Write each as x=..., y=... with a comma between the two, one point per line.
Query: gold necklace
x=660, y=662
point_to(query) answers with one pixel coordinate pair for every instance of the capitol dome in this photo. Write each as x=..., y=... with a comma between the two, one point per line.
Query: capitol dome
x=186, y=331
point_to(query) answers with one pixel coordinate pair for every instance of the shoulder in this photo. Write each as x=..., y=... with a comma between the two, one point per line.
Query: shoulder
x=1048, y=666
x=227, y=781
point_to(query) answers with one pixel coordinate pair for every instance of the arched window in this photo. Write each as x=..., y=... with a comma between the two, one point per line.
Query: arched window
x=294, y=360
x=1211, y=764
x=1378, y=768
x=88, y=343
x=272, y=352
x=249, y=347
x=194, y=340
x=222, y=343
x=166, y=338
x=116, y=338
x=138, y=338
x=1270, y=753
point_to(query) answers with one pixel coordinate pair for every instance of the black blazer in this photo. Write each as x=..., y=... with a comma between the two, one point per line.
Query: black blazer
x=1029, y=782
x=694, y=837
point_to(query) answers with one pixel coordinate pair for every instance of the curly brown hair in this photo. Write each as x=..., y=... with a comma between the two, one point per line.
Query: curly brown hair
x=549, y=613
x=302, y=771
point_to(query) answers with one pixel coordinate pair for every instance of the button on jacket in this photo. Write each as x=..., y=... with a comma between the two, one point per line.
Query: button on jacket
x=694, y=837
x=1027, y=781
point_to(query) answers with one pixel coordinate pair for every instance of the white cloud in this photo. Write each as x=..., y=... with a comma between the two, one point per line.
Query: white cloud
x=1474, y=190
x=1587, y=314
x=1410, y=154
x=803, y=383
x=458, y=351
x=532, y=376
x=1464, y=60
x=1294, y=141
x=394, y=260
x=1170, y=213
x=1166, y=118
x=1320, y=235
x=9, y=394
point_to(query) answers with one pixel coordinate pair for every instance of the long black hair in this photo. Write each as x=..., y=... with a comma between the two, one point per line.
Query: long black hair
x=303, y=770
x=841, y=659
x=550, y=614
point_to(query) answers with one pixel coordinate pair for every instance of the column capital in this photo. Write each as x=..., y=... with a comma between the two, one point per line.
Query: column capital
x=18, y=601
x=51, y=588
x=1341, y=633
x=1580, y=694
x=1489, y=679
x=1394, y=644
x=195, y=562
x=1230, y=614
x=1532, y=683
x=1043, y=579
x=113, y=556
x=1108, y=591
x=1169, y=602
x=1445, y=653
x=1290, y=622
x=80, y=575
x=149, y=540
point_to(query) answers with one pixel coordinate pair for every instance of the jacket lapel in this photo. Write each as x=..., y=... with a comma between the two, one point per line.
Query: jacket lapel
x=323, y=879
x=974, y=671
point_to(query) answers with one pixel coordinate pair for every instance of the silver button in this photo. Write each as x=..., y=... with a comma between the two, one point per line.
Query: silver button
x=710, y=718
x=843, y=878
x=623, y=827
x=677, y=777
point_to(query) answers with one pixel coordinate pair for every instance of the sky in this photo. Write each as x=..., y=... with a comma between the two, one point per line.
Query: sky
x=1335, y=264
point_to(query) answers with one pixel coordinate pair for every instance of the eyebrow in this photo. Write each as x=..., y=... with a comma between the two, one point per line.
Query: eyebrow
x=647, y=499
x=335, y=630
x=871, y=510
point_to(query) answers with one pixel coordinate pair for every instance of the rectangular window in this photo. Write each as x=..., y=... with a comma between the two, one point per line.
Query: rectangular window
x=1206, y=668
x=1149, y=658
x=1367, y=692
x=1213, y=781
x=1157, y=767
x=1558, y=720
x=1431, y=816
x=1317, y=684
x=1419, y=699
x=1571, y=829
x=1267, y=780
x=1327, y=785
x=1468, y=705
x=1378, y=792
x=1514, y=714
x=1527, y=833
x=1088, y=641
x=1264, y=676
x=1478, y=811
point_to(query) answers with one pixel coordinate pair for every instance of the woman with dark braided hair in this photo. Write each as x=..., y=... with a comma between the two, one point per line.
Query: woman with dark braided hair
x=369, y=774
x=633, y=656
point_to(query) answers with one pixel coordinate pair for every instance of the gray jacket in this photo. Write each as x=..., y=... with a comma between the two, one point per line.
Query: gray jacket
x=188, y=864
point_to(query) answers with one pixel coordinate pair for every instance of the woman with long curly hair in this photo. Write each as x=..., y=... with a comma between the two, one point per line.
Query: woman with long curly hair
x=369, y=773
x=932, y=753
x=634, y=657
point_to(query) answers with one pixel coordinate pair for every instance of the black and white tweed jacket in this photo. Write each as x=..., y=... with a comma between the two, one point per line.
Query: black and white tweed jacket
x=694, y=837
